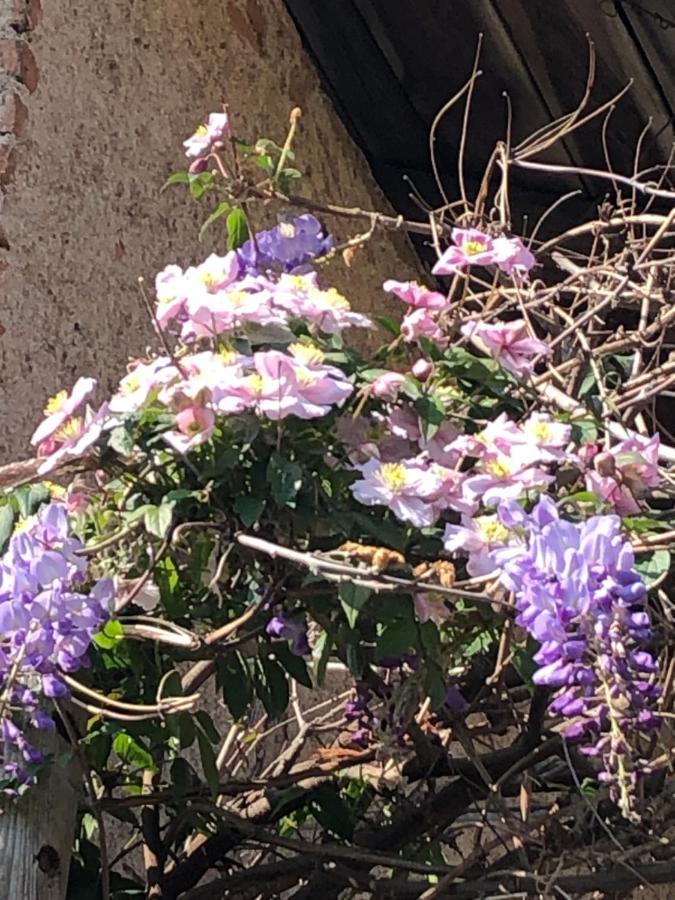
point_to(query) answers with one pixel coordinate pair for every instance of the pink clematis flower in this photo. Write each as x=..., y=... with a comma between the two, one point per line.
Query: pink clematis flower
x=403, y=423
x=430, y=607
x=387, y=385
x=207, y=377
x=144, y=380
x=622, y=475
x=404, y=487
x=500, y=477
x=509, y=343
x=298, y=384
x=194, y=426
x=545, y=438
x=171, y=291
x=449, y=493
x=199, y=144
x=470, y=247
x=442, y=447
x=212, y=311
x=216, y=272
x=302, y=298
x=477, y=538
x=637, y=458
x=416, y=295
x=513, y=257
x=366, y=439
x=75, y=437
x=316, y=386
x=62, y=407
x=420, y=323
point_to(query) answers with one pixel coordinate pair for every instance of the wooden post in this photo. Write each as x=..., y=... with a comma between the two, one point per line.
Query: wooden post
x=37, y=831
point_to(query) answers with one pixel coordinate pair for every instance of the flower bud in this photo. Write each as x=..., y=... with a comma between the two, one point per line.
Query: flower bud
x=422, y=369
x=387, y=385
x=604, y=464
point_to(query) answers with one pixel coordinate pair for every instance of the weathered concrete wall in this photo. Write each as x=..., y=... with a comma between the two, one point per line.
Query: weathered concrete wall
x=117, y=87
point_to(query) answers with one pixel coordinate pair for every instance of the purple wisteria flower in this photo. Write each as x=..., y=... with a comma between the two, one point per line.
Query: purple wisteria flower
x=288, y=246
x=48, y=616
x=285, y=628
x=578, y=593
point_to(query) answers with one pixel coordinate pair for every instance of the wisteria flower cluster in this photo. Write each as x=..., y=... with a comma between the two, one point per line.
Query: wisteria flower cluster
x=579, y=595
x=288, y=247
x=49, y=612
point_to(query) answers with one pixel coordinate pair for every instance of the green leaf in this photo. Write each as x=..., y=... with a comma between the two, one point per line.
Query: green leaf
x=200, y=183
x=390, y=325
x=435, y=684
x=206, y=724
x=182, y=776
x=237, y=229
x=157, y=519
x=295, y=665
x=332, y=812
x=431, y=413
x=287, y=179
x=386, y=533
x=128, y=749
x=271, y=685
x=523, y=661
x=29, y=498
x=320, y=656
x=644, y=524
x=217, y=213
x=479, y=644
x=7, y=517
x=411, y=388
x=353, y=598
x=284, y=478
x=654, y=566
x=584, y=431
x=234, y=679
x=121, y=441
x=176, y=178
x=463, y=364
x=110, y=635
x=208, y=758
x=186, y=729
x=249, y=508
x=395, y=640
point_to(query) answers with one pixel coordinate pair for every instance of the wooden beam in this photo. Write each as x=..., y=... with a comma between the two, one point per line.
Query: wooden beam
x=37, y=831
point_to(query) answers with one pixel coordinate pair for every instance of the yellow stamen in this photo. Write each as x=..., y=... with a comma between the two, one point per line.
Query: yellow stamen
x=55, y=403
x=393, y=475
x=228, y=357
x=130, y=384
x=471, y=248
x=540, y=431
x=24, y=523
x=490, y=528
x=498, y=468
x=70, y=429
x=334, y=298
x=309, y=354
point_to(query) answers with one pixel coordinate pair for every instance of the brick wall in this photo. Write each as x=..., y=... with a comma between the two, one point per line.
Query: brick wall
x=111, y=90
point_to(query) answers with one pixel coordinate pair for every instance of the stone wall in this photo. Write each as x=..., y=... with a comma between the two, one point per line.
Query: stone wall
x=95, y=99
